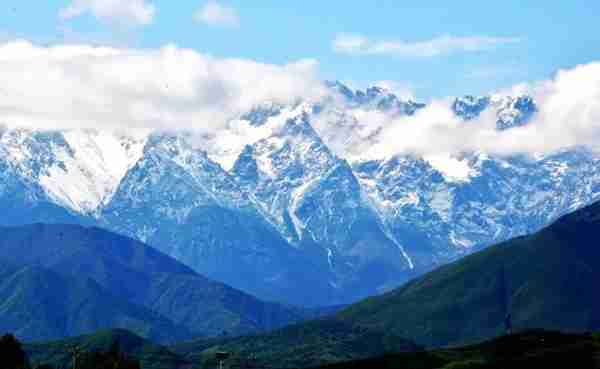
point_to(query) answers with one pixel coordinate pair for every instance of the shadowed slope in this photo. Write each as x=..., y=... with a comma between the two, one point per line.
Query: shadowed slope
x=545, y=280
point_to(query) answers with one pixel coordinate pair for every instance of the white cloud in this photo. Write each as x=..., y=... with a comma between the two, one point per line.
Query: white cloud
x=568, y=117
x=95, y=87
x=215, y=14
x=126, y=12
x=443, y=45
x=81, y=86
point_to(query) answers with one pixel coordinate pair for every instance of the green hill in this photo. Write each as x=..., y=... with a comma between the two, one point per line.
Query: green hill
x=139, y=275
x=36, y=303
x=546, y=280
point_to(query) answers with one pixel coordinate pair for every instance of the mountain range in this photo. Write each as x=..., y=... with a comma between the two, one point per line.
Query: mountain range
x=285, y=216
x=546, y=280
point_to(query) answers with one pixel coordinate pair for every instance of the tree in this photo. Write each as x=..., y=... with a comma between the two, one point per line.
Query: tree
x=12, y=355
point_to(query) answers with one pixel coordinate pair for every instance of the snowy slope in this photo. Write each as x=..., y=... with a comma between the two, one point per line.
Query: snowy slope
x=91, y=167
x=79, y=170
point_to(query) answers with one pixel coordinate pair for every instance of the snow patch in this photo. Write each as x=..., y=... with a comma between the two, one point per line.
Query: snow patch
x=453, y=169
x=86, y=176
x=296, y=197
x=226, y=147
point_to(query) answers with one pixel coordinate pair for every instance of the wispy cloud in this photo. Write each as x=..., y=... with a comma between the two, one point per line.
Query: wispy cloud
x=360, y=45
x=215, y=14
x=125, y=12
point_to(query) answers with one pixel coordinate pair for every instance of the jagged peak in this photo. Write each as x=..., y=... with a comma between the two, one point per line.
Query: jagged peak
x=512, y=111
x=375, y=97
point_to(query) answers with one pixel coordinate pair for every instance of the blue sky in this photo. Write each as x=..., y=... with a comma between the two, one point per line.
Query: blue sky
x=524, y=42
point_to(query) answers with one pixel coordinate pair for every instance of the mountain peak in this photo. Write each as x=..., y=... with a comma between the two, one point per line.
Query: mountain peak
x=376, y=97
x=511, y=111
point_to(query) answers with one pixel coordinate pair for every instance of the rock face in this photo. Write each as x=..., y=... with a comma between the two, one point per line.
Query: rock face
x=284, y=215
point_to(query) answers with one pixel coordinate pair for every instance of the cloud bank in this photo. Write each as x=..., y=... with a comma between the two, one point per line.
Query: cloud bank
x=127, y=12
x=568, y=117
x=215, y=14
x=168, y=88
x=360, y=45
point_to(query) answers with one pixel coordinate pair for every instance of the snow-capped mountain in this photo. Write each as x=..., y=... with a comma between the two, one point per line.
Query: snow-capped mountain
x=79, y=170
x=283, y=214
x=186, y=205
x=375, y=98
x=318, y=205
x=510, y=111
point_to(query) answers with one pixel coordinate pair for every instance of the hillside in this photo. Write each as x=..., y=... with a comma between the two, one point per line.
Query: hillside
x=545, y=280
x=531, y=349
x=139, y=275
x=302, y=345
x=38, y=304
